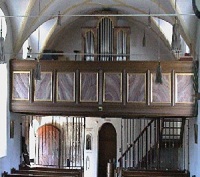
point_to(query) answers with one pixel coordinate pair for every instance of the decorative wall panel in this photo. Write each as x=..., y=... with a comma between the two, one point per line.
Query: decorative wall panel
x=184, y=88
x=89, y=87
x=112, y=87
x=43, y=87
x=66, y=86
x=161, y=93
x=103, y=89
x=136, y=87
x=21, y=84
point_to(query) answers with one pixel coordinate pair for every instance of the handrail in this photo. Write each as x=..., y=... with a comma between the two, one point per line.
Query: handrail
x=148, y=150
x=137, y=139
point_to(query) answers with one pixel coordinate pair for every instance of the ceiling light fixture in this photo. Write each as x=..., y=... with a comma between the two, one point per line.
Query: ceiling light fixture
x=59, y=19
x=176, y=37
x=37, y=71
x=149, y=19
x=158, y=79
x=158, y=74
x=144, y=40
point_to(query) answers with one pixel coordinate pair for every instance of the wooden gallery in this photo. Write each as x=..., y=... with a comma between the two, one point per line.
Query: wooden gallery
x=99, y=88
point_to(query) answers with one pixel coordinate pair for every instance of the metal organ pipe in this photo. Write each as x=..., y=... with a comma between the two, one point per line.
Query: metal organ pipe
x=105, y=39
x=89, y=43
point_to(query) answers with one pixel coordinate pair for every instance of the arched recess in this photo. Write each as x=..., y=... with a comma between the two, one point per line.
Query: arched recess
x=48, y=138
x=107, y=147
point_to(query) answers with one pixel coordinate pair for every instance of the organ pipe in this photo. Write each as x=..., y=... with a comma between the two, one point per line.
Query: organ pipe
x=105, y=36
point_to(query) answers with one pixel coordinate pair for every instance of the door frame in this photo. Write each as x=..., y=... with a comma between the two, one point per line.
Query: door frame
x=59, y=143
x=98, y=144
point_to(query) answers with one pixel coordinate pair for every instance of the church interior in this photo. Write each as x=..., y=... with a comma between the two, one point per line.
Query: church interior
x=106, y=88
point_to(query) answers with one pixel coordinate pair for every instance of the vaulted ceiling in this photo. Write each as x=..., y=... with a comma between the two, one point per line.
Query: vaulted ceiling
x=27, y=15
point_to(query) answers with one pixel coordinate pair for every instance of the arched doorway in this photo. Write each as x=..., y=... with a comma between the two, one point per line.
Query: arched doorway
x=107, y=147
x=48, y=146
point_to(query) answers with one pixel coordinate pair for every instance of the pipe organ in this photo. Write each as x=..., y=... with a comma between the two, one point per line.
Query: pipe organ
x=105, y=39
x=106, y=42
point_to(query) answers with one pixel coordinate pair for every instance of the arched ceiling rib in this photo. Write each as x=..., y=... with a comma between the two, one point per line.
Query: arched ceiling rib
x=36, y=12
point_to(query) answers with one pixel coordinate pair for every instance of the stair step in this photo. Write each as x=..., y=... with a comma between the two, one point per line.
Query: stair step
x=170, y=134
x=172, y=127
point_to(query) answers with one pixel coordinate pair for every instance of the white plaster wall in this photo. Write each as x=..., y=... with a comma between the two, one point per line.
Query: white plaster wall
x=154, y=49
x=93, y=125
x=12, y=159
x=70, y=41
x=193, y=151
x=194, y=155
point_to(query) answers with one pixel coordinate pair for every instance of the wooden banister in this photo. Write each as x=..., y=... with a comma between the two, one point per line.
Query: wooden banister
x=136, y=140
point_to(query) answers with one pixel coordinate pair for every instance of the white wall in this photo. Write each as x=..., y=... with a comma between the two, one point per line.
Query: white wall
x=3, y=113
x=195, y=148
x=12, y=158
x=154, y=50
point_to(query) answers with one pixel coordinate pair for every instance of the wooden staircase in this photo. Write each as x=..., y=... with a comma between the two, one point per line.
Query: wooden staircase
x=172, y=132
x=157, y=148
x=171, y=136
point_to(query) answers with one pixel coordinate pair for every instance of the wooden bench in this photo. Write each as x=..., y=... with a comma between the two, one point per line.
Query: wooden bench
x=47, y=175
x=42, y=168
x=153, y=173
x=44, y=172
x=39, y=172
x=78, y=170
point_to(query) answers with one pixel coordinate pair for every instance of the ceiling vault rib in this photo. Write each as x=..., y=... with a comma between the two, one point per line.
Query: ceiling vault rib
x=28, y=20
x=37, y=19
x=24, y=22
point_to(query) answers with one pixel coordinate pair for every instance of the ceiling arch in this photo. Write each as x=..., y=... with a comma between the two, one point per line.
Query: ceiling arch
x=31, y=14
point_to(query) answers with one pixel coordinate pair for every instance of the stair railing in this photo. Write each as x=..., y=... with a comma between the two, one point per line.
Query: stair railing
x=158, y=147
x=142, y=147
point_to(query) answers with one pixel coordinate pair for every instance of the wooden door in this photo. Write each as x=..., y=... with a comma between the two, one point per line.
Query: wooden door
x=107, y=148
x=48, y=146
